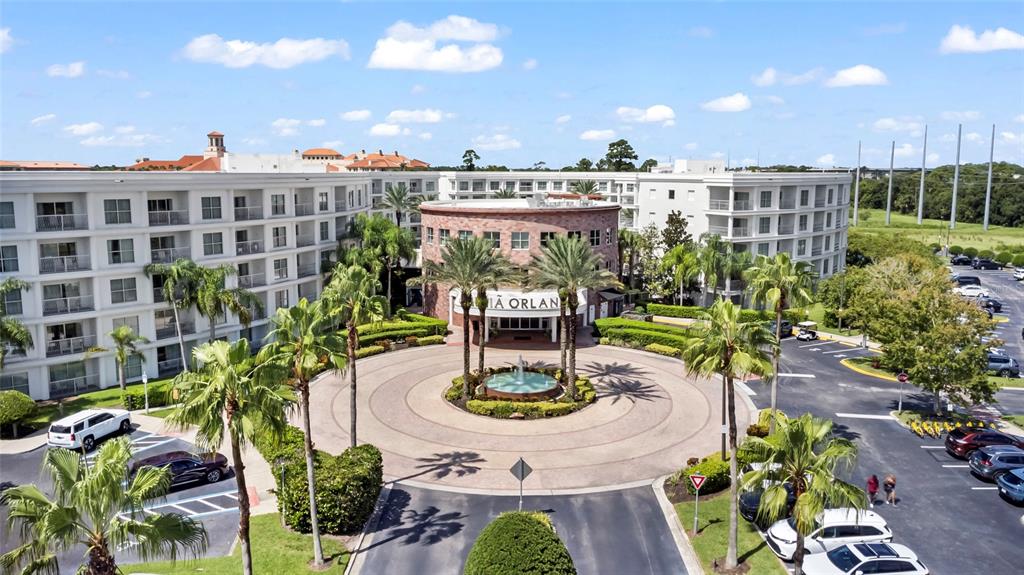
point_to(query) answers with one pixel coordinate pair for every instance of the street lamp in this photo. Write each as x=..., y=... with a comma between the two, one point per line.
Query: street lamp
x=280, y=461
x=145, y=389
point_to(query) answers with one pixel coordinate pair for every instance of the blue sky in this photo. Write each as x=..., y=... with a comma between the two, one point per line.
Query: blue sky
x=518, y=82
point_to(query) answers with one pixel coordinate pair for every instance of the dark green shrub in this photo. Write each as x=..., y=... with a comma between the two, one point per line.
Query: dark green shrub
x=617, y=322
x=503, y=409
x=955, y=250
x=642, y=338
x=369, y=350
x=712, y=467
x=1018, y=260
x=159, y=396
x=987, y=254
x=393, y=335
x=971, y=252
x=935, y=246
x=519, y=542
x=639, y=309
x=697, y=312
x=1004, y=258
x=15, y=407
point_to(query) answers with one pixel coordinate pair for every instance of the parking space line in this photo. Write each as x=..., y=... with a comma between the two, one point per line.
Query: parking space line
x=154, y=445
x=807, y=375
x=180, y=508
x=835, y=351
x=933, y=447
x=232, y=495
x=984, y=488
x=957, y=466
x=866, y=416
x=205, y=502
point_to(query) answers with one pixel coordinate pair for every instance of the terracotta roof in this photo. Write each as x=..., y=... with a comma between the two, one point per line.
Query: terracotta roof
x=386, y=161
x=207, y=165
x=40, y=165
x=322, y=152
x=333, y=168
x=214, y=133
x=179, y=164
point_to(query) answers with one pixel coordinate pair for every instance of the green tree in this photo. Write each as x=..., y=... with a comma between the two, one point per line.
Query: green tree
x=584, y=187
x=570, y=264
x=14, y=336
x=836, y=291
x=723, y=345
x=231, y=395
x=584, y=165
x=88, y=507
x=15, y=406
x=502, y=272
x=681, y=264
x=468, y=159
x=630, y=244
x=214, y=300
x=618, y=156
x=779, y=283
x=650, y=248
x=648, y=164
x=126, y=346
x=181, y=283
x=303, y=343
x=392, y=244
x=804, y=454
x=674, y=233
x=400, y=200
x=711, y=259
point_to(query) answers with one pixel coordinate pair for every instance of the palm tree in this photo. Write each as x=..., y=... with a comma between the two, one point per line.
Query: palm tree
x=99, y=505
x=126, y=346
x=502, y=273
x=629, y=241
x=352, y=298
x=399, y=199
x=804, y=454
x=303, y=342
x=712, y=260
x=230, y=394
x=681, y=263
x=214, y=301
x=14, y=336
x=779, y=283
x=181, y=287
x=724, y=345
x=505, y=194
x=390, y=244
x=569, y=264
x=585, y=187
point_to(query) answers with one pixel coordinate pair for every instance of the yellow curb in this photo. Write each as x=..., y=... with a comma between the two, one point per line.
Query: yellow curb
x=1001, y=319
x=849, y=365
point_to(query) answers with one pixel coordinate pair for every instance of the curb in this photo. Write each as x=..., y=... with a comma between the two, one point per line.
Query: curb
x=849, y=365
x=690, y=560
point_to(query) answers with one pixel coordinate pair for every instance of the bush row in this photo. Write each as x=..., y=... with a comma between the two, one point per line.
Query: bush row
x=697, y=312
x=432, y=325
x=367, y=351
x=1003, y=257
x=640, y=338
x=662, y=349
x=618, y=323
x=373, y=337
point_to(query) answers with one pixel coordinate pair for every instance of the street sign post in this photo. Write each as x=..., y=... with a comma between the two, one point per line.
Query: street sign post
x=697, y=480
x=521, y=470
x=902, y=378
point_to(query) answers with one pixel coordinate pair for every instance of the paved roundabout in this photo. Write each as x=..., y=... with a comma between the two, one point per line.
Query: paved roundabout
x=648, y=420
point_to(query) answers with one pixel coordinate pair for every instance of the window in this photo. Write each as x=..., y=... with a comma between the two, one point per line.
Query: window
x=121, y=251
x=445, y=235
x=122, y=290
x=671, y=194
x=465, y=234
x=803, y=223
x=6, y=215
x=8, y=258
x=556, y=186
x=629, y=188
x=11, y=303
x=117, y=211
x=325, y=231
x=132, y=321
x=801, y=247
x=281, y=269
x=595, y=237
x=323, y=203
x=607, y=236
x=277, y=205
x=575, y=234
x=762, y=249
x=280, y=236
x=766, y=198
x=520, y=240
x=828, y=220
x=828, y=243
x=542, y=186
x=281, y=298
x=824, y=267
x=830, y=194
x=211, y=207
x=493, y=185
x=804, y=194
x=495, y=238
x=213, y=244
x=602, y=186
x=764, y=225
x=525, y=186
x=430, y=236
x=545, y=237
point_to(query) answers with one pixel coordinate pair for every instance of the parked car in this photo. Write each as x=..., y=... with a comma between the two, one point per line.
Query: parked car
x=787, y=328
x=1011, y=485
x=865, y=558
x=966, y=280
x=992, y=461
x=83, y=429
x=962, y=442
x=1003, y=366
x=985, y=264
x=750, y=501
x=185, y=467
x=991, y=304
x=835, y=528
x=960, y=260
x=1018, y=274
x=971, y=291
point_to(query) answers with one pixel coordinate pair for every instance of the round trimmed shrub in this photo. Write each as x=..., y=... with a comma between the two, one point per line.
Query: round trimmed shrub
x=956, y=250
x=15, y=406
x=987, y=254
x=1018, y=260
x=519, y=542
x=712, y=467
x=1004, y=257
x=935, y=246
x=971, y=252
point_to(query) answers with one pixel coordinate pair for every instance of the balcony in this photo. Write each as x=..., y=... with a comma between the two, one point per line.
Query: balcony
x=12, y=354
x=787, y=204
x=819, y=203
x=742, y=205
x=169, y=367
x=169, y=255
x=252, y=280
x=70, y=346
x=15, y=381
x=257, y=313
x=62, y=305
x=785, y=230
x=740, y=233
x=74, y=386
x=59, y=223
x=306, y=270
x=168, y=218
x=815, y=251
x=61, y=264
x=718, y=205
x=168, y=331
x=305, y=240
x=248, y=213
x=721, y=231
x=818, y=227
x=304, y=209
x=339, y=206
x=249, y=247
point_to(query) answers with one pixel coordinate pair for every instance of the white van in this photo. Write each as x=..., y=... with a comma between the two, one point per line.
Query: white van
x=83, y=429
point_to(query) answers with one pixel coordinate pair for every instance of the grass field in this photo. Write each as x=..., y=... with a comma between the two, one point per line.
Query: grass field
x=713, y=536
x=1017, y=420
x=48, y=411
x=275, y=550
x=816, y=313
x=997, y=238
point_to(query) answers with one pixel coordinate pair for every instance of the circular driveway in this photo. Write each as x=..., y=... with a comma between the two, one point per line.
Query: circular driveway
x=648, y=420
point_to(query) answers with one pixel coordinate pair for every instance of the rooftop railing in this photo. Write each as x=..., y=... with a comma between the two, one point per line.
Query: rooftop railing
x=244, y=214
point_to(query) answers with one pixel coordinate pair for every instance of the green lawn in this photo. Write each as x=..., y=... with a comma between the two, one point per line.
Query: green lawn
x=48, y=411
x=816, y=313
x=1007, y=381
x=1018, y=420
x=162, y=413
x=275, y=550
x=713, y=536
x=934, y=231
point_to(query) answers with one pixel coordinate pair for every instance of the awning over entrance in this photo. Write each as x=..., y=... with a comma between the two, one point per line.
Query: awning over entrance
x=611, y=295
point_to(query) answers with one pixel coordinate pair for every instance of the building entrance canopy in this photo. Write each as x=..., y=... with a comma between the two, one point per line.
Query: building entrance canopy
x=519, y=303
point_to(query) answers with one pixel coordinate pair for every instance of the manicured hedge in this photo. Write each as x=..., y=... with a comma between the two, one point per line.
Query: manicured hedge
x=712, y=467
x=15, y=407
x=662, y=349
x=1004, y=258
x=642, y=338
x=432, y=325
x=618, y=323
x=1018, y=260
x=987, y=254
x=970, y=252
x=369, y=350
x=159, y=396
x=956, y=250
x=394, y=335
x=519, y=542
x=430, y=340
x=697, y=312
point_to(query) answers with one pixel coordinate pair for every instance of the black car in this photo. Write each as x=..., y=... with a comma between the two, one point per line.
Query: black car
x=967, y=280
x=960, y=260
x=990, y=304
x=787, y=328
x=186, y=467
x=751, y=500
x=984, y=264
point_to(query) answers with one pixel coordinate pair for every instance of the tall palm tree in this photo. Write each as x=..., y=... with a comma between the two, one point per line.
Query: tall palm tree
x=391, y=244
x=505, y=194
x=737, y=262
x=181, y=288
x=98, y=505
x=584, y=187
x=804, y=454
x=726, y=346
x=681, y=263
x=233, y=395
x=399, y=199
x=14, y=336
x=214, y=301
x=303, y=342
x=126, y=346
x=502, y=273
x=779, y=283
x=570, y=264
x=711, y=259
x=629, y=243
x=352, y=299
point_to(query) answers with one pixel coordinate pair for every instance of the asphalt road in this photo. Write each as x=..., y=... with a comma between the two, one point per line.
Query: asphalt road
x=424, y=531
x=212, y=504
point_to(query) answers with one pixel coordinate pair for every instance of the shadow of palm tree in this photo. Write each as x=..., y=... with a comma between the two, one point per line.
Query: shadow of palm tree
x=441, y=465
x=613, y=370
x=843, y=431
x=631, y=390
x=391, y=514
x=426, y=527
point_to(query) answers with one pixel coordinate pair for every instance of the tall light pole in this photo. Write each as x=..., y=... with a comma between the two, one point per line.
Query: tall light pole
x=888, y=198
x=856, y=189
x=924, y=166
x=145, y=388
x=956, y=181
x=988, y=182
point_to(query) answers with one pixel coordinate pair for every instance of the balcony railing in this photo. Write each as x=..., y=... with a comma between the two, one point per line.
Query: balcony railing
x=305, y=240
x=258, y=313
x=787, y=205
x=7, y=222
x=169, y=366
x=168, y=218
x=15, y=381
x=740, y=233
x=722, y=231
x=819, y=203
x=815, y=251
x=818, y=227
x=63, y=305
x=168, y=331
x=249, y=247
x=785, y=230
x=339, y=206
x=158, y=294
x=61, y=264
x=70, y=345
x=248, y=213
x=304, y=209
x=742, y=205
x=306, y=270
x=57, y=223
x=252, y=280
x=13, y=354
x=74, y=386
x=169, y=255
x=718, y=204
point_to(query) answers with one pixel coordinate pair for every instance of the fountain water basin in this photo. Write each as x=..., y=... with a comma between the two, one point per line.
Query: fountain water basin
x=521, y=385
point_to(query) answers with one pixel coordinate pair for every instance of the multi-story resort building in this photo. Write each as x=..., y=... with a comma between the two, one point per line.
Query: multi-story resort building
x=82, y=239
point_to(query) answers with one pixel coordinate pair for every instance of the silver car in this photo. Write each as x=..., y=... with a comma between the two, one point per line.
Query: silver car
x=992, y=461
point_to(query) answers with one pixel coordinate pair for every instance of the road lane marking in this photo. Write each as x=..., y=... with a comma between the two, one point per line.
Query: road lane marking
x=817, y=343
x=984, y=488
x=866, y=416
x=835, y=351
x=807, y=375
x=956, y=466
x=933, y=447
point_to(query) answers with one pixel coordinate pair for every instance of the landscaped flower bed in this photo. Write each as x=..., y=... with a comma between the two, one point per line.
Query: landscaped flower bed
x=480, y=404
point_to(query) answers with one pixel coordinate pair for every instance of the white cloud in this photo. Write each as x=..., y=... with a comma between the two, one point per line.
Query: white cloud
x=1008, y=137
x=859, y=75
x=129, y=140
x=286, y=126
x=597, y=135
x=124, y=129
x=886, y=29
x=797, y=79
x=691, y=146
x=408, y=47
x=530, y=64
x=901, y=124
x=738, y=102
x=905, y=151
x=253, y=141
x=285, y=53
x=143, y=94
x=317, y=123
x=115, y=74
x=775, y=100
x=6, y=40
x=1019, y=119
x=748, y=162
x=417, y=89
x=765, y=78
x=333, y=144
x=564, y=118
x=964, y=116
x=427, y=116
x=85, y=129
x=963, y=39
x=973, y=137
x=72, y=70
x=425, y=136
x=388, y=130
x=496, y=142
x=826, y=160
x=700, y=32
x=355, y=115
x=932, y=158
x=656, y=113
x=43, y=119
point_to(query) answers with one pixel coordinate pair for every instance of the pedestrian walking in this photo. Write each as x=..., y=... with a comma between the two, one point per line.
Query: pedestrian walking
x=872, y=489
x=890, y=489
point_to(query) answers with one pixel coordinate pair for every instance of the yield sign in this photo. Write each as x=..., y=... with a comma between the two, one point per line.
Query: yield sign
x=521, y=469
x=697, y=480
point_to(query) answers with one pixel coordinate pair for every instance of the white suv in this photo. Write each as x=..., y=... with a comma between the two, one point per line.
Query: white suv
x=83, y=429
x=865, y=558
x=834, y=528
x=1018, y=274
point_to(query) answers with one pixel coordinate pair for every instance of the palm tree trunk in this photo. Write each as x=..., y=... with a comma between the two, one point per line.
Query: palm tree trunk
x=573, y=304
x=481, y=335
x=389, y=285
x=798, y=555
x=731, y=556
x=181, y=338
x=213, y=328
x=466, y=385
x=632, y=268
x=318, y=551
x=121, y=375
x=243, y=504
x=775, y=366
x=352, y=379
x=101, y=562
x=398, y=218
x=563, y=335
